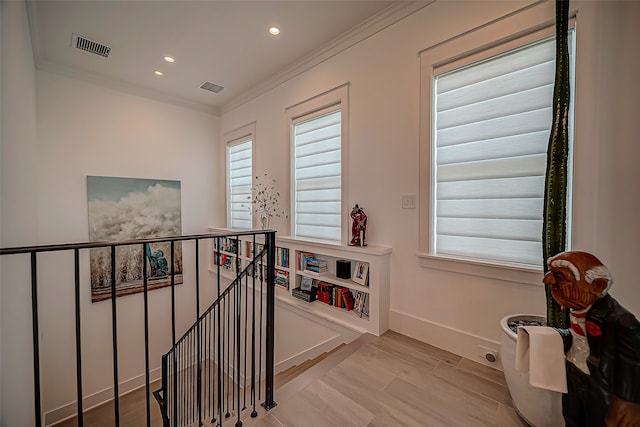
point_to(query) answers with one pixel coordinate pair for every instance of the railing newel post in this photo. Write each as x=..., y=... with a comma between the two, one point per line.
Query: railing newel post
x=270, y=241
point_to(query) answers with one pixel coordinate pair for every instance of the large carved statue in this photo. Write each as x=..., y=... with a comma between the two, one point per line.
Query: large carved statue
x=603, y=361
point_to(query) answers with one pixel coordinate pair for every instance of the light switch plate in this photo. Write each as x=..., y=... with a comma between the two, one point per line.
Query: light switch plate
x=408, y=201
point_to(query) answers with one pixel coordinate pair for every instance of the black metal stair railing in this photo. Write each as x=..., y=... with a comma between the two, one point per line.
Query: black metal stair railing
x=205, y=373
x=214, y=371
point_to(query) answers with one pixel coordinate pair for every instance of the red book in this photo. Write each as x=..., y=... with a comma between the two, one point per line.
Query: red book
x=347, y=299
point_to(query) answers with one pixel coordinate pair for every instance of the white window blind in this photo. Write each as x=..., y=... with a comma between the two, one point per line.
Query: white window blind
x=318, y=176
x=240, y=179
x=492, y=123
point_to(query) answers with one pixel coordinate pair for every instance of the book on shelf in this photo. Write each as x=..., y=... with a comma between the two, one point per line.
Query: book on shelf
x=307, y=261
x=335, y=295
x=314, y=266
x=227, y=244
x=341, y=292
x=347, y=298
x=325, y=292
x=250, y=250
x=302, y=260
x=305, y=295
x=281, y=278
x=360, y=305
x=282, y=257
x=225, y=261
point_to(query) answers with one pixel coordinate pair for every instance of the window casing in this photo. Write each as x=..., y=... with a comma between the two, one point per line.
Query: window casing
x=240, y=179
x=488, y=130
x=318, y=130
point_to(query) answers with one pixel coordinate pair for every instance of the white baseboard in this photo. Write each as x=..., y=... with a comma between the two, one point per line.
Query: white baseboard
x=312, y=352
x=454, y=340
x=69, y=410
x=344, y=334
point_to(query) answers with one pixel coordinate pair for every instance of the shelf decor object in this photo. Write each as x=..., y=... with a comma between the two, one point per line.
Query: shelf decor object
x=343, y=269
x=360, y=273
x=266, y=201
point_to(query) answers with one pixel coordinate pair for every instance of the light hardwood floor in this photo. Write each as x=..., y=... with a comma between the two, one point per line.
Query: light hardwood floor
x=391, y=380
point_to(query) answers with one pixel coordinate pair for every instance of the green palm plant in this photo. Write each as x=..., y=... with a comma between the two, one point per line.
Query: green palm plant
x=555, y=197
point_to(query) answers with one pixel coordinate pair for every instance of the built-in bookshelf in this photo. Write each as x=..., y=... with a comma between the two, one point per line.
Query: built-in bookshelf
x=235, y=254
x=351, y=282
x=348, y=285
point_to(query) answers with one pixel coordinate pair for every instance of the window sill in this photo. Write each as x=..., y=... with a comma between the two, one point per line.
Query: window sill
x=529, y=276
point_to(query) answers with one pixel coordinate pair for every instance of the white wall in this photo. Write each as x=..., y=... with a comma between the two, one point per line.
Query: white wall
x=90, y=130
x=19, y=210
x=449, y=309
x=85, y=129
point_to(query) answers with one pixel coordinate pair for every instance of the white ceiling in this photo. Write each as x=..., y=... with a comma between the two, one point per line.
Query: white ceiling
x=224, y=42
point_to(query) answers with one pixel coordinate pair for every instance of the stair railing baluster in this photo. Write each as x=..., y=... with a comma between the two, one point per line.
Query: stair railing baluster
x=254, y=413
x=260, y=329
x=173, y=340
x=236, y=368
x=227, y=360
x=199, y=351
x=36, y=340
x=147, y=376
x=76, y=262
x=246, y=319
x=114, y=330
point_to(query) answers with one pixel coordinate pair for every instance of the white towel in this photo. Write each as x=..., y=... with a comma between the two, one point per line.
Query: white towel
x=540, y=351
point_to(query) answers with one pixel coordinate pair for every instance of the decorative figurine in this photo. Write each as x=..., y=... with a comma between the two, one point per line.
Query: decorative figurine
x=157, y=262
x=359, y=227
x=603, y=360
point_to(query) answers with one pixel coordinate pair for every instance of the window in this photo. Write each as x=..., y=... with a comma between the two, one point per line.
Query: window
x=239, y=179
x=318, y=143
x=490, y=123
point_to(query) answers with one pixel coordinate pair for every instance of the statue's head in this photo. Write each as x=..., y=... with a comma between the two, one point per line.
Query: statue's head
x=158, y=253
x=577, y=279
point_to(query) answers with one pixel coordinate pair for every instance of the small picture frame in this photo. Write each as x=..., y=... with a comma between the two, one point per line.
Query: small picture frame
x=360, y=273
x=306, y=284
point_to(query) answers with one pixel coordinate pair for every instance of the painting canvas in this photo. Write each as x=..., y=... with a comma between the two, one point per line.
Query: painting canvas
x=127, y=209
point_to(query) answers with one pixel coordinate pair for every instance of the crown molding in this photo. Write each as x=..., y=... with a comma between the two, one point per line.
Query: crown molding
x=385, y=18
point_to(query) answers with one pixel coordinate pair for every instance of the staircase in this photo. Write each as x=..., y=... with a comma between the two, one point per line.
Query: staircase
x=217, y=371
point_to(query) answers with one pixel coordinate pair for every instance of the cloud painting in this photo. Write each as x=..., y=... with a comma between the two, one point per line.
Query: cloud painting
x=127, y=209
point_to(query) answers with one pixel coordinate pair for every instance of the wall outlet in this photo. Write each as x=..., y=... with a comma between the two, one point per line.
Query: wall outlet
x=487, y=354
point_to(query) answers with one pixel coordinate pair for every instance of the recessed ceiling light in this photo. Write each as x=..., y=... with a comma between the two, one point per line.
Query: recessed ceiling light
x=169, y=59
x=274, y=30
x=158, y=73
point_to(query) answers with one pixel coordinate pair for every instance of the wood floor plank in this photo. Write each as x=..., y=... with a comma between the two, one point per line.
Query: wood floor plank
x=396, y=340
x=481, y=370
x=386, y=381
x=470, y=382
x=443, y=406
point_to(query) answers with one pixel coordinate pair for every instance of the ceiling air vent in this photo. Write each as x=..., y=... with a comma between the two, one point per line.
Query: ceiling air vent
x=211, y=87
x=83, y=43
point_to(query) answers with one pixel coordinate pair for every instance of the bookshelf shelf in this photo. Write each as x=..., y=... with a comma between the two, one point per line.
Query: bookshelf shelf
x=374, y=289
x=370, y=312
